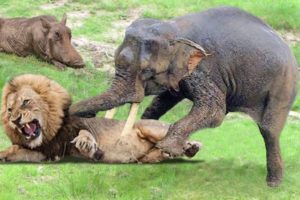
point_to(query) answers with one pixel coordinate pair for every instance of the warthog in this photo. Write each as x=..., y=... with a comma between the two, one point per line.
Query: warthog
x=43, y=36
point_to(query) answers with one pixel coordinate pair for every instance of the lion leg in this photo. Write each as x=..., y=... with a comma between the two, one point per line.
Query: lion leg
x=153, y=156
x=87, y=145
x=16, y=153
x=152, y=130
x=191, y=148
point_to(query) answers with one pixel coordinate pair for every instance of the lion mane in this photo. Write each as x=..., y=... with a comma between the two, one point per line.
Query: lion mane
x=55, y=101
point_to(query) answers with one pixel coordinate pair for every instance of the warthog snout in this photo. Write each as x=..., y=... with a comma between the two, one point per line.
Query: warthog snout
x=59, y=46
x=72, y=58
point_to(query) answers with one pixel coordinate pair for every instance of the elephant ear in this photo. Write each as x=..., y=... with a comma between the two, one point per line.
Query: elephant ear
x=194, y=59
x=196, y=53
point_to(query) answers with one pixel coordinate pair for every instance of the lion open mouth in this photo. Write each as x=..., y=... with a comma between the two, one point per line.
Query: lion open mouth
x=32, y=129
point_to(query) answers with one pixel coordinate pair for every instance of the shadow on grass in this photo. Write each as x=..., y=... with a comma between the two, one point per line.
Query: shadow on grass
x=85, y=161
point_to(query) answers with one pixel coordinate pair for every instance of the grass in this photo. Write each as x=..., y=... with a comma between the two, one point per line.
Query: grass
x=231, y=164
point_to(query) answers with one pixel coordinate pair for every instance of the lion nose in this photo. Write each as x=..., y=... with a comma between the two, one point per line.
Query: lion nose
x=17, y=120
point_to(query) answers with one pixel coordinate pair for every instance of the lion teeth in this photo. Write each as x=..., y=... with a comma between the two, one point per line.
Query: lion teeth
x=27, y=137
x=19, y=130
x=27, y=125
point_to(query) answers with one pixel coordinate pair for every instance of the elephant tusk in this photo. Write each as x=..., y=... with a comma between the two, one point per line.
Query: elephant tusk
x=131, y=119
x=110, y=113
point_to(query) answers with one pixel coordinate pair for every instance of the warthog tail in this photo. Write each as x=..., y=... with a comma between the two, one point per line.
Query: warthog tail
x=1, y=21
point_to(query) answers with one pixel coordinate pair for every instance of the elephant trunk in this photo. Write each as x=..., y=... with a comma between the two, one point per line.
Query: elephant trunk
x=125, y=89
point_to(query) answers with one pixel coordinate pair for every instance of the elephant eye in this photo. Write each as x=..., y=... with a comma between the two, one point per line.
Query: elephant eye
x=151, y=46
x=171, y=44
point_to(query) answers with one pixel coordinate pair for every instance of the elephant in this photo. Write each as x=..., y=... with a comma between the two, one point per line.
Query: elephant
x=222, y=59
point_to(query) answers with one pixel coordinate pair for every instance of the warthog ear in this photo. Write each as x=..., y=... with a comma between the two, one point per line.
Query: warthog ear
x=46, y=24
x=64, y=19
x=195, y=54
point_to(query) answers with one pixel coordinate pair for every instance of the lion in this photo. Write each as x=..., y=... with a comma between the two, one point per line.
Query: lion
x=35, y=118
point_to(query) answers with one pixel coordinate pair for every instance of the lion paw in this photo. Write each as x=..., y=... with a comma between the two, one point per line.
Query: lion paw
x=87, y=145
x=4, y=157
x=191, y=148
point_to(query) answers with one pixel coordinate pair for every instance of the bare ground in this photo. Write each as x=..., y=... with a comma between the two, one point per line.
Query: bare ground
x=290, y=37
x=75, y=19
x=101, y=54
x=54, y=4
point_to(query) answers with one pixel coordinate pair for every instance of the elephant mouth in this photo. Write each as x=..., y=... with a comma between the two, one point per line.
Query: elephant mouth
x=154, y=89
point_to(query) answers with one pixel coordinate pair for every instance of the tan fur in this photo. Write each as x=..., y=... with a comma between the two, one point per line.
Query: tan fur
x=64, y=135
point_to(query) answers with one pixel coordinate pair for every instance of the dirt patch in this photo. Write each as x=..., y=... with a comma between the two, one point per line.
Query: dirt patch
x=102, y=55
x=293, y=115
x=75, y=19
x=290, y=37
x=119, y=27
x=54, y=4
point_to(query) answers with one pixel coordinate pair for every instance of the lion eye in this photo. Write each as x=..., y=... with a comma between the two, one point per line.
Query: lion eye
x=9, y=110
x=25, y=102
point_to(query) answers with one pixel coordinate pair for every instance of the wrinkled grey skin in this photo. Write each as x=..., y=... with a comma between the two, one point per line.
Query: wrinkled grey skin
x=250, y=70
x=43, y=36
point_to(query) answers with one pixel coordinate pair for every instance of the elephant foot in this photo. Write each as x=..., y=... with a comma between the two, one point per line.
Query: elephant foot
x=172, y=146
x=274, y=181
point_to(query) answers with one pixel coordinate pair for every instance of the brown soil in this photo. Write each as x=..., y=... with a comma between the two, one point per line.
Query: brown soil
x=101, y=54
x=53, y=5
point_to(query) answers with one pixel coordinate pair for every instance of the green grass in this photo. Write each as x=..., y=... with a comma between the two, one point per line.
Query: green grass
x=280, y=14
x=231, y=164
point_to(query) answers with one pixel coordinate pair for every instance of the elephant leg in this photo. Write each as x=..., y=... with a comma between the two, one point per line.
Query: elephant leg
x=270, y=126
x=209, y=109
x=161, y=104
x=198, y=118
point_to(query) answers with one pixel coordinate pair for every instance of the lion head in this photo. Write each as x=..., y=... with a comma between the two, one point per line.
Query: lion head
x=33, y=108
